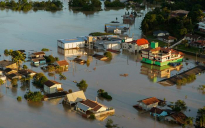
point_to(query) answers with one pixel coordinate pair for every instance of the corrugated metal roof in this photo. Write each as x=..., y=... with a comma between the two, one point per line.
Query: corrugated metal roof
x=76, y=97
x=74, y=40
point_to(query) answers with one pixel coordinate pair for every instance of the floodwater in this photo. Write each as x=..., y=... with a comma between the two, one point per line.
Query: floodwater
x=35, y=30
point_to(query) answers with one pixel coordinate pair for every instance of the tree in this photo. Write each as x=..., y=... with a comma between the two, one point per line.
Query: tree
x=110, y=124
x=39, y=79
x=14, y=82
x=19, y=98
x=50, y=59
x=17, y=56
x=33, y=96
x=108, y=55
x=6, y=52
x=25, y=67
x=1, y=82
x=82, y=85
x=179, y=105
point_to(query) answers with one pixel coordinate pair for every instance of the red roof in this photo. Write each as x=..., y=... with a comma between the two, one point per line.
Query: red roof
x=92, y=104
x=140, y=42
x=62, y=63
x=149, y=101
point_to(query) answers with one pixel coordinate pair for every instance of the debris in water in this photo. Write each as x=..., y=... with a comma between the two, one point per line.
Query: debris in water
x=125, y=75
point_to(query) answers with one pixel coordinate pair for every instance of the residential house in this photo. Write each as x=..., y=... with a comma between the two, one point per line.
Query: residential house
x=167, y=39
x=179, y=13
x=51, y=86
x=157, y=112
x=198, y=44
x=112, y=43
x=9, y=71
x=27, y=72
x=201, y=26
x=63, y=64
x=160, y=56
x=160, y=33
x=110, y=27
x=8, y=64
x=87, y=107
x=74, y=43
x=179, y=118
x=148, y=103
x=136, y=45
x=37, y=55
x=190, y=37
x=38, y=61
x=74, y=97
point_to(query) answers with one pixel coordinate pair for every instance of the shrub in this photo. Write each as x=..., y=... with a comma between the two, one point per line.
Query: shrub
x=82, y=85
x=50, y=59
x=14, y=82
x=108, y=55
x=70, y=90
x=45, y=49
x=92, y=116
x=104, y=94
x=39, y=79
x=19, y=98
x=25, y=67
x=33, y=96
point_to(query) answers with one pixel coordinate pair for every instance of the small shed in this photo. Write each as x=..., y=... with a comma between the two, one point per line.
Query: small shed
x=63, y=64
x=51, y=86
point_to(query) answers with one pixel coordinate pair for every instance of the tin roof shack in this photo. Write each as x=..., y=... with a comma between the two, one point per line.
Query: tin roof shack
x=179, y=118
x=74, y=43
x=156, y=112
x=37, y=55
x=27, y=73
x=63, y=64
x=110, y=27
x=167, y=39
x=89, y=107
x=161, y=56
x=100, y=57
x=148, y=103
x=51, y=86
x=38, y=61
x=136, y=45
x=8, y=64
x=74, y=97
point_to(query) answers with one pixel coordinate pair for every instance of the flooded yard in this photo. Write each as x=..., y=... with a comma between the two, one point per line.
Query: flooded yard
x=41, y=29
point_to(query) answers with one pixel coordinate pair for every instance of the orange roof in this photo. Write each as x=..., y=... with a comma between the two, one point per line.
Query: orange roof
x=62, y=62
x=140, y=42
x=149, y=101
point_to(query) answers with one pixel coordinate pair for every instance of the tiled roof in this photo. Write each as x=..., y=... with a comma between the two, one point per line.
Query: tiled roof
x=179, y=117
x=50, y=83
x=149, y=101
x=62, y=63
x=140, y=42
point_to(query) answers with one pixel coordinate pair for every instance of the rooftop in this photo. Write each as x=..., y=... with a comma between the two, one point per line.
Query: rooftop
x=180, y=117
x=140, y=42
x=74, y=40
x=92, y=104
x=50, y=83
x=39, y=53
x=62, y=63
x=149, y=101
x=76, y=96
x=5, y=63
x=156, y=110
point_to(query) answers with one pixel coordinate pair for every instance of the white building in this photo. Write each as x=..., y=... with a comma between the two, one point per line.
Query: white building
x=148, y=103
x=51, y=86
x=74, y=97
x=115, y=45
x=202, y=26
x=74, y=43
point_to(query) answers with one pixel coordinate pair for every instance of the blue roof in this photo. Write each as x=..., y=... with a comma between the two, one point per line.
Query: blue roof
x=71, y=40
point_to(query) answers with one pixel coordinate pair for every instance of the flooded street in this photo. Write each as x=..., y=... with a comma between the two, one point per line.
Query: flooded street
x=41, y=29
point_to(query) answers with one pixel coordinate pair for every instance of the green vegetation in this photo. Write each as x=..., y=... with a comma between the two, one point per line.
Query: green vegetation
x=108, y=55
x=17, y=56
x=25, y=67
x=6, y=52
x=200, y=119
x=160, y=18
x=1, y=82
x=185, y=80
x=51, y=68
x=110, y=124
x=25, y=80
x=104, y=94
x=179, y=105
x=33, y=96
x=99, y=34
x=14, y=82
x=82, y=85
x=62, y=77
x=202, y=88
x=85, y=5
x=45, y=49
x=39, y=79
x=51, y=59
x=187, y=48
x=24, y=5
x=70, y=91
x=92, y=116
x=115, y=3
x=19, y=98
x=88, y=62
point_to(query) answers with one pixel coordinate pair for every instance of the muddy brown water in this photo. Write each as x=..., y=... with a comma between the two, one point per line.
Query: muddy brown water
x=35, y=30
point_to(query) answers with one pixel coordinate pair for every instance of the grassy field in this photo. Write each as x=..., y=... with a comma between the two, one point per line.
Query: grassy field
x=187, y=49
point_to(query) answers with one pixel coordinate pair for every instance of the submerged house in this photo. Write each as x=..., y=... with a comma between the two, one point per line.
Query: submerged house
x=112, y=43
x=51, y=86
x=158, y=112
x=63, y=64
x=160, y=56
x=74, y=97
x=179, y=118
x=27, y=72
x=9, y=71
x=88, y=107
x=37, y=55
x=8, y=64
x=38, y=61
x=148, y=103
x=135, y=45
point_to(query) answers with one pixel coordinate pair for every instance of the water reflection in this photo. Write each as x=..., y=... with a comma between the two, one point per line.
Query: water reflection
x=86, y=13
x=153, y=72
x=35, y=105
